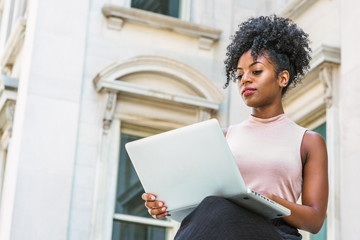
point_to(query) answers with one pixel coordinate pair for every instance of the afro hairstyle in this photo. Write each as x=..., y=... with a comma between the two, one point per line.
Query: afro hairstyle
x=280, y=39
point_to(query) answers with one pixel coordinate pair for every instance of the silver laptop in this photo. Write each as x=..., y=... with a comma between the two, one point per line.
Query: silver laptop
x=185, y=165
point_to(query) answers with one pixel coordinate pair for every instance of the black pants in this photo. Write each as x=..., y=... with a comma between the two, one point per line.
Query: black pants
x=217, y=218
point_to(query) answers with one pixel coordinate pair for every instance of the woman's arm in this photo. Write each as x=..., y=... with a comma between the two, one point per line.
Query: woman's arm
x=311, y=214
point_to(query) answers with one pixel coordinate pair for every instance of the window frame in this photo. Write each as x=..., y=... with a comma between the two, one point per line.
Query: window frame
x=120, y=117
x=170, y=226
x=184, y=9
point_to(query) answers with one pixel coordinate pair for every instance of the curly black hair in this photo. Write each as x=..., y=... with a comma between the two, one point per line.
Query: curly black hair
x=280, y=39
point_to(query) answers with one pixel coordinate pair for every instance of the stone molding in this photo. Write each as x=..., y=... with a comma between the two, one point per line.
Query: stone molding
x=117, y=16
x=310, y=101
x=209, y=96
x=111, y=98
x=322, y=56
x=13, y=46
x=325, y=54
x=325, y=59
x=295, y=7
x=7, y=109
x=207, y=100
x=326, y=76
x=8, y=97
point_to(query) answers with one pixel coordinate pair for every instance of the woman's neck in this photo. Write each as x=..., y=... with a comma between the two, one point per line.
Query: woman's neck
x=267, y=113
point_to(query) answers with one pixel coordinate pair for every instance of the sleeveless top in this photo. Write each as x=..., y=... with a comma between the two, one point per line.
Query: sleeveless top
x=268, y=154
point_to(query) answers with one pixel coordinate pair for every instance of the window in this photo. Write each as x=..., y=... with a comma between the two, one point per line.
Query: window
x=165, y=7
x=129, y=203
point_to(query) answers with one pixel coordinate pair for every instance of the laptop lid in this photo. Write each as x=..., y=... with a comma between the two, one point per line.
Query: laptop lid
x=185, y=165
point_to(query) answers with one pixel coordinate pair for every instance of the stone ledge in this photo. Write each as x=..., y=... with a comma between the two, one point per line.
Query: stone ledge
x=309, y=102
x=322, y=56
x=325, y=54
x=184, y=74
x=145, y=93
x=117, y=15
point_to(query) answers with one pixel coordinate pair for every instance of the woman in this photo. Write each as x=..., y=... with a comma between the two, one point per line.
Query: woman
x=276, y=157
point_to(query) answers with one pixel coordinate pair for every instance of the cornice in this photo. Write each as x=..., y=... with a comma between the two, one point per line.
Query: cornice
x=109, y=80
x=325, y=54
x=140, y=92
x=185, y=74
x=308, y=102
x=117, y=15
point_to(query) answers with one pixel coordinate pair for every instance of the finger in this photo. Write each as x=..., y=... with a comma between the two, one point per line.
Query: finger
x=157, y=211
x=159, y=216
x=154, y=204
x=148, y=197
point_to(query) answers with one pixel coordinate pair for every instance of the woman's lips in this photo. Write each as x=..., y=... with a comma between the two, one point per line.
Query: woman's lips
x=248, y=91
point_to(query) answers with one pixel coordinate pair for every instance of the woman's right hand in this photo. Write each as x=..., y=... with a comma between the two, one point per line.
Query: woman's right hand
x=156, y=209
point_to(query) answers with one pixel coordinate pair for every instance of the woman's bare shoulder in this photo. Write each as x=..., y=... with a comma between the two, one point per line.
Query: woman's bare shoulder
x=313, y=144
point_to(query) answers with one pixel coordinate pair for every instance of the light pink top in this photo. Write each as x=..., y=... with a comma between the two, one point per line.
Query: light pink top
x=267, y=152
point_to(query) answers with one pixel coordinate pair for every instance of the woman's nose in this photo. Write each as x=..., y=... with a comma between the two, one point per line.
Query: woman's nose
x=245, y=78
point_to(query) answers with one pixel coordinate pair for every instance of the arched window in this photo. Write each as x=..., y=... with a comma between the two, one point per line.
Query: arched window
x=144, y=95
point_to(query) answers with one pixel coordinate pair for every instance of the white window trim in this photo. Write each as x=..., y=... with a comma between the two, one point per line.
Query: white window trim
x=171, y=226
x=106, y=80
x=117, y=15
x=105, y=190
x=109, y=82
x=143, y=220
x=184, y=13
x=185, y=10
x=143, y=92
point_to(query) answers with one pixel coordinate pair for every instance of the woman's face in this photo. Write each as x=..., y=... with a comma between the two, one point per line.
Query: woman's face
x=258, y=83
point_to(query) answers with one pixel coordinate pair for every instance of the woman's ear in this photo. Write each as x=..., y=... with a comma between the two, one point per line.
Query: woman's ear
x=284, y=78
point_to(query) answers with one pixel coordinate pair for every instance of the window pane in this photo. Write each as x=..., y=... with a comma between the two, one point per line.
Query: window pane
x=129, y=189
x=131, y=231
x=128, y=200
x=166, y=7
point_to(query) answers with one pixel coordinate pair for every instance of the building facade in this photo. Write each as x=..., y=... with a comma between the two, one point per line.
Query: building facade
x=81, y=78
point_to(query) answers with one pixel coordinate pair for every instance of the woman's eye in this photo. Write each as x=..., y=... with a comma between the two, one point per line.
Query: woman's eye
x=257, y=72
x=238, y=77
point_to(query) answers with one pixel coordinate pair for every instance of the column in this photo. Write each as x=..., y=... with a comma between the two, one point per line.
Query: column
x=349, y=117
